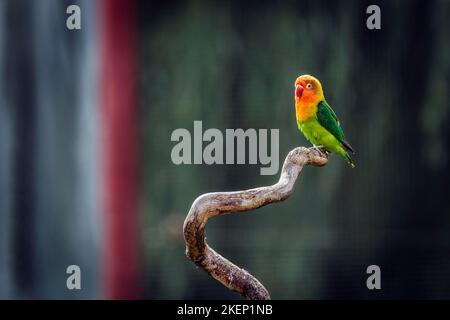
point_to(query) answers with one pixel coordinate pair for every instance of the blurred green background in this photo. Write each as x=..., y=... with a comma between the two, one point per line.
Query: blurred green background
x=232, y=64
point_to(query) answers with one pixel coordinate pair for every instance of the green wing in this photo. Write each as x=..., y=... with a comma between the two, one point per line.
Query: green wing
x=328, y=119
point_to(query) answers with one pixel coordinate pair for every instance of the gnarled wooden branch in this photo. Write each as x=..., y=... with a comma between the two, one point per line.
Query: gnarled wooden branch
x=218, y=203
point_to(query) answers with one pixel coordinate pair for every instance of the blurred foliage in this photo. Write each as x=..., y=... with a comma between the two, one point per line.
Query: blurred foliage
x=232, y=65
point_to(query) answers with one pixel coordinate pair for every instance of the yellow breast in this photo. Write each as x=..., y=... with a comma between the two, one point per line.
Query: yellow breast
x=305, y=109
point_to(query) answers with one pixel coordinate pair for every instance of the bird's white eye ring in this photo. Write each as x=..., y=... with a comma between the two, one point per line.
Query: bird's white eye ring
x=309, y=86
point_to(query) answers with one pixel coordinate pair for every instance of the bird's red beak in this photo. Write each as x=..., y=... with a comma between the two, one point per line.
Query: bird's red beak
x=298, y=91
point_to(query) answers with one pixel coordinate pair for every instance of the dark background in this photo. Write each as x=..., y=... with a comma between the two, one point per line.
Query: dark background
x=231, y=64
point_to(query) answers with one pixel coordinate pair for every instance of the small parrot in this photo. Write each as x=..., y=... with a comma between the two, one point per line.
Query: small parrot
x=316, y=120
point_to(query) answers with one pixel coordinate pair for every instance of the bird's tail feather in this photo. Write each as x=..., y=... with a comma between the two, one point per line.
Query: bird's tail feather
x=348, y=159
x=348, y=146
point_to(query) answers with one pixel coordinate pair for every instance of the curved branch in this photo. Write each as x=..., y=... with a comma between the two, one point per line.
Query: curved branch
x=218, y=203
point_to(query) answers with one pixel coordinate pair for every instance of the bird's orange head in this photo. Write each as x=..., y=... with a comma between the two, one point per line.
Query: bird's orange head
x=308, y=93
x=308, y=89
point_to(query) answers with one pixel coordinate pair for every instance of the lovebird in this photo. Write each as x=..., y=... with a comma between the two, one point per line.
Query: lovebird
x=316, y=120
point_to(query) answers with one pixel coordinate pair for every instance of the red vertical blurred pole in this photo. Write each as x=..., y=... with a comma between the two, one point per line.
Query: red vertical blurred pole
x=119, y=157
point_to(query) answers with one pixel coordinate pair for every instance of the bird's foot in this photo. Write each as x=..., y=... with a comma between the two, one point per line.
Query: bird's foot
x=322, y=149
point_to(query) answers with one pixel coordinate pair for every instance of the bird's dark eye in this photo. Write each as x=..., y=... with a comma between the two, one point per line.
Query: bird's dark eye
x=309, y=86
